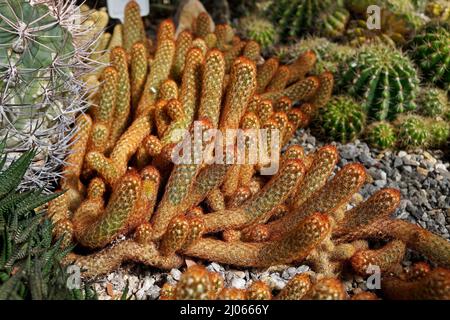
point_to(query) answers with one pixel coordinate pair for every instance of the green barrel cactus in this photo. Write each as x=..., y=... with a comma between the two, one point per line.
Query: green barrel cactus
x=439, y=133
x=298, y=17
x=42, y=59
x=342, y=119
x=258, y=29
x=384, y=78
x=381, y=135
x=413, y=131
x=332, y=23
x=430, y=49
x=432, y=102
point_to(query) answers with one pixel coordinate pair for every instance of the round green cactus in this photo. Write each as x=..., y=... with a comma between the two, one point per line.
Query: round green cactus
x=381, y=135
x=342, y=119
x=383, y=78
x=439, y=133
x=334, y=22
x=298, y=17
x=258, y=29
x=43, y=56
x=430, y=49
x=432, y=102
x=413, y=131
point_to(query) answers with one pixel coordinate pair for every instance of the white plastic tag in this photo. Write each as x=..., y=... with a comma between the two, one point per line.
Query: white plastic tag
x=116, y=8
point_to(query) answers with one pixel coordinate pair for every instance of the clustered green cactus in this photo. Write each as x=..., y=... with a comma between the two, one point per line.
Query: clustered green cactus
x=382, y=135
x=430, y=49
x=43, y=55
x=384, y=78
x=342, y=119
x=258, y=29
x=432, y=102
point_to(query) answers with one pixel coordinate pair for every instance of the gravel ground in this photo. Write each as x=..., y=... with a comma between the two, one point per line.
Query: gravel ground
x=422, y=177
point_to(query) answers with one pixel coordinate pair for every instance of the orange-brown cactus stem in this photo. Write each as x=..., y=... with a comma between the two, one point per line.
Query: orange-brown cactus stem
x=195, y=284
x=159, y=71
x=253, y=103
x=169, y=90
x=300, y=67
x=217, y=282
x=212, y=86
x=256, y=233
x=224, y=34
x=279, y=80
x=138, y=71
x=241, y=195
x=167, y=292
x=266, y=73
x=265, y=110
x=201, y=45
x=215, y=200
x=435, y=285
x=331, y=196
x=175, y=236
x=162, y=119
x=190, y=86
x=202, y=25
x=365, y=295
x=211, y=40
x=58, y=208
x=294, y=246
x=325, y=160
x=104, y=112
x=166, y=31
x=123, y=202
x=327, y=289
x=107, y=260
x=151, y=180
x=418, y=270
x=232, y=54
x=273, y=194
x=252, y=51
x=133, y=26
x=123, y=99
x=323, y=94
x=182, y=46
x=232, y=294
x=284, y=104
x=300, y=90
x=250, y=121
x=296, y=288
x=258, y=290
x=386, y=258
x=379, y=206
x=294, y=152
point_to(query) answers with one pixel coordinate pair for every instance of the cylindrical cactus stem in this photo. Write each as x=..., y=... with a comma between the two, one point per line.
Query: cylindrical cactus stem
x=232, y=54
x=123, y=92
x=138, y=71
x=242, y=86
x=435, y=285
x=252, y=51
x=162, y=119
x=284, y=104
x=327, y=289
x=417, y=271
x=296, y=288
x=104, y=112
x=123, y=203
x=103, y=166
x=301, y=90
x=264, y=111
x=182, y=46
x=216, y=200
x=166, y=31
x=175, y=236
x=212, y=86
x=159, y=71
x=274, y=193
x=266, y=73
x=224, y=34
x=279, y=80
x=323, y=94
x=386, y=258
x=317, y=175
x=300, y=67
x=241, y=195
x=151, y=180
x=331, y=196
x=74, y=160
x=133, y=26
x=365, y=295
x=195, y=284
x=259, y=290
x=58, y=208
x=294, y=246
x=167, y=292
x=107, y=260
x=202, y=25
x=232, y=294
x=249, y=122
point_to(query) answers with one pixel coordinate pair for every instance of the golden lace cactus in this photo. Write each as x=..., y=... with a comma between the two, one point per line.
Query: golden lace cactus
x=121, y=178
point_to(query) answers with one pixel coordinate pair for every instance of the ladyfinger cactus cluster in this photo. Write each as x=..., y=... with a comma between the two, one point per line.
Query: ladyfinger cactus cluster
x=133, y=183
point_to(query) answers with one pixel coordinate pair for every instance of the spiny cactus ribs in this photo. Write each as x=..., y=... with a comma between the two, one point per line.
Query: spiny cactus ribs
x=44, y=52
x=120, y=179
